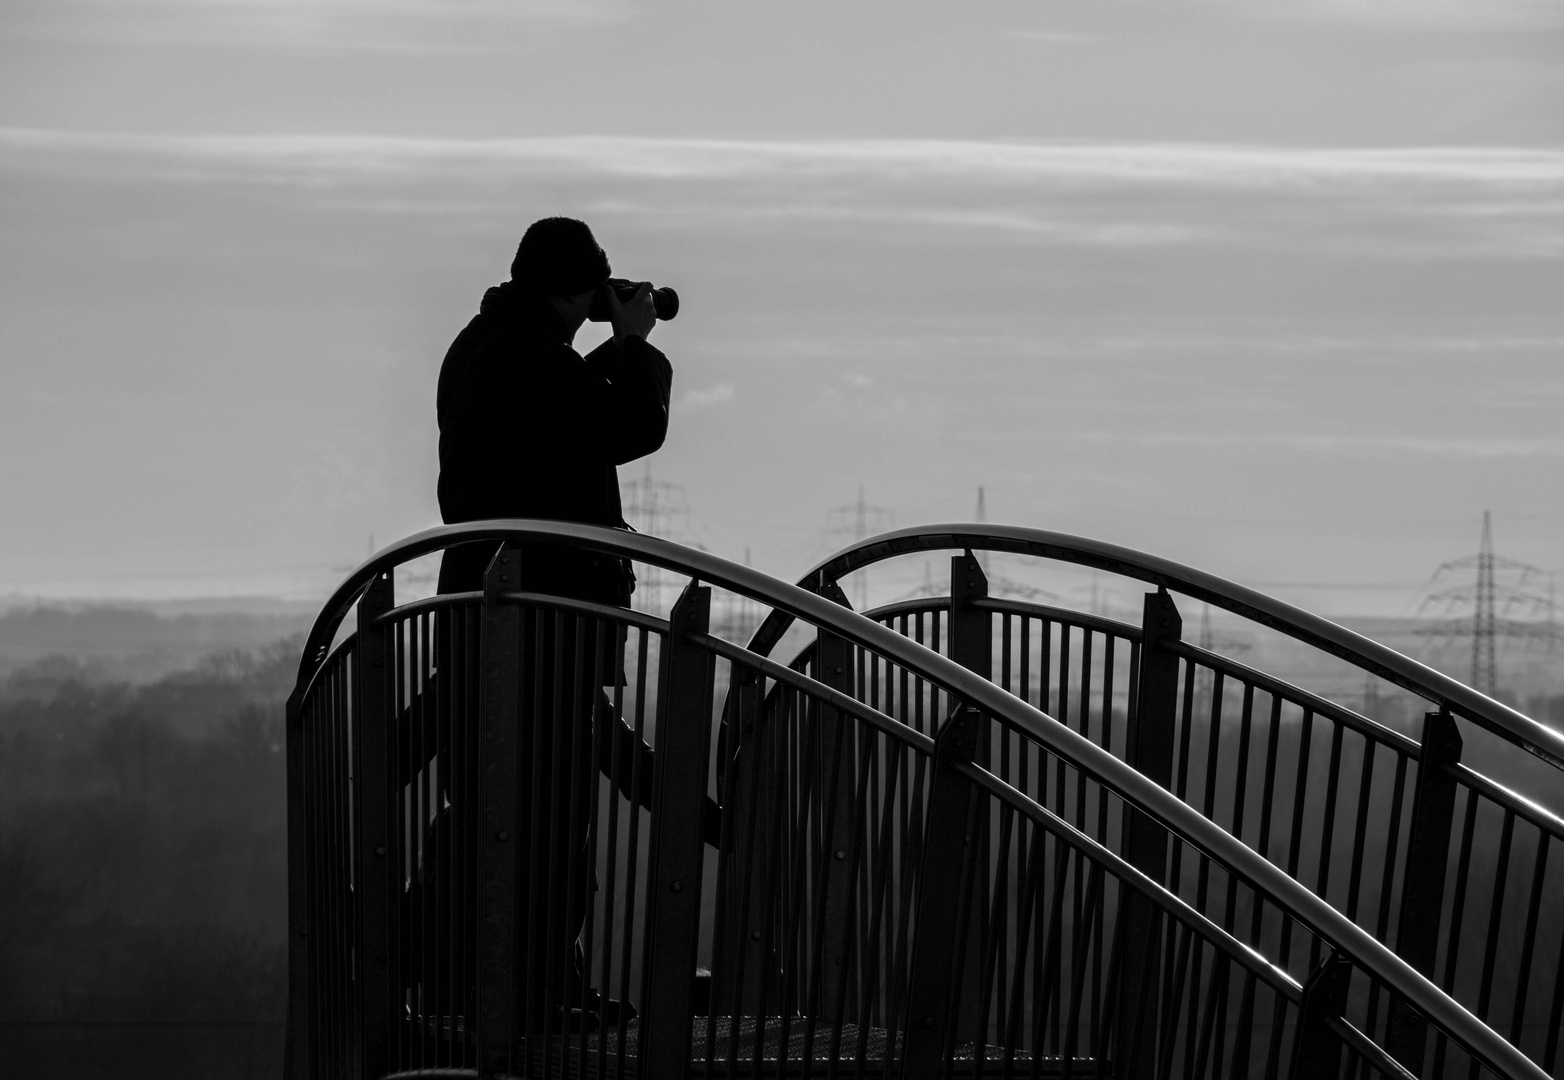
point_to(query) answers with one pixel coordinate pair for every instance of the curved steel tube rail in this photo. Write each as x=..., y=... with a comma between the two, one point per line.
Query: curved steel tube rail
x=1140, y=791
x=1365, y=653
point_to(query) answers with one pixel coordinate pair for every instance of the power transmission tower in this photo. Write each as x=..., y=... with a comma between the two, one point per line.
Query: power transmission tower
x=1210, y=641
x=856, y=520
x=656, y=508
x=1494, y=602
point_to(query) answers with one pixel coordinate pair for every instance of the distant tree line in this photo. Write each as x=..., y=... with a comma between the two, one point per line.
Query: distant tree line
x=143, y=871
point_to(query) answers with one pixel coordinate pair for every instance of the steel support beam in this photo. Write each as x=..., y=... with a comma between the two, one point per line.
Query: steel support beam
x=377, y=889
x=499, y=718
x=1149, y=743
x=684, y=720
x=1423, y=881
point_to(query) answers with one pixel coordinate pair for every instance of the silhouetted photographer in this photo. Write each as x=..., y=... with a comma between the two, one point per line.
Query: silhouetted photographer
x=531, y=428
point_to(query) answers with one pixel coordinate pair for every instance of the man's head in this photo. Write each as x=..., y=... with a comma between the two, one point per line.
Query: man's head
x=558, y=256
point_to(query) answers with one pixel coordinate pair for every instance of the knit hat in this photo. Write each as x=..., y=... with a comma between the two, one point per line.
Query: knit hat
x=558, y=256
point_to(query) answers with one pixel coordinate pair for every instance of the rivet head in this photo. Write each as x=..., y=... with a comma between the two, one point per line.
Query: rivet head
x=504, y=577
x=754, y=935
x=380, y=851
x=504, y=559
x=838, y=669
x=502, y=836
x=677, y=886
x=840, y=854
x=928, y=1022
x=971, y=584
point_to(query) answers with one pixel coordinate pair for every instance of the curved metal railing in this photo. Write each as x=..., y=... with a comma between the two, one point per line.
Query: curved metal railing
x=1422, y=851
x=330, y=723
x=1364, y=653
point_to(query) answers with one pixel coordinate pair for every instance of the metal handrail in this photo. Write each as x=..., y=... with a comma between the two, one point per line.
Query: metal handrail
x=1364, y=653
x=1140, y=791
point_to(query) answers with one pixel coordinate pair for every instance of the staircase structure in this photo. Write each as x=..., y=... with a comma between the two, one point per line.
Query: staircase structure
x=952, y=836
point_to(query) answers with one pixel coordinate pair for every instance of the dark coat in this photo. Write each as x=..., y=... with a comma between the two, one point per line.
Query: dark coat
x=530, y=428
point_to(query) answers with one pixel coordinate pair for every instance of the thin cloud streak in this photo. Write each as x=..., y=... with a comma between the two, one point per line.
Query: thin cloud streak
x=385, y=26
x=1178, y=164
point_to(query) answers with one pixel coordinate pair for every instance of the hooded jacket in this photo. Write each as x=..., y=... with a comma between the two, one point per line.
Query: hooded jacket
x=531, y=428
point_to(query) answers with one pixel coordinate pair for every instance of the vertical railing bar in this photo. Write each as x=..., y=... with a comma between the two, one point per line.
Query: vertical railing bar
x=1495, y=909
x=1172, y=1001
x=1240, y=795
x=1107, y=732
x=593, y=693
x=1529, y=938
x=991, y=950
x=750, y=695
x=674, y=875
x=1295, y=844
x=403, y=850
x=895, y=763
x=1027, y=916
x=792, y=979
x=1204, y=1056
x=1382, y=923
x=1243, y=1048
x=1327, y=831
x=610, y=847
x=777, y=894
x=429, y=996
x=939, y=956
x=1081, y=946
x=852, y=955
x=632, y=846
x=1555, y=1012
x=1186, y=721
x=1197, y=970
x=375, y=829
x=912, y=857
x=1360, y=829
x=1457, y=913
x=1213, y=758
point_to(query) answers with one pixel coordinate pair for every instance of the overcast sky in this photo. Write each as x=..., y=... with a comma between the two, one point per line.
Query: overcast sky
x=1272, y=287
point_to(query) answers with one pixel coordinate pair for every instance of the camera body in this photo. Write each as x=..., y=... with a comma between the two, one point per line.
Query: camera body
x=665, y=301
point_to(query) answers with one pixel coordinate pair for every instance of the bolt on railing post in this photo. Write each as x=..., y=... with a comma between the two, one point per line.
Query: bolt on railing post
x=1317, y=1047
x=1149, y=749
x=972, y=646
x=943, y=881
x=299, y=1038
x=499, y=718
x=684, y=702
x=1423, y=880
x=836, y=774
x=377, y=885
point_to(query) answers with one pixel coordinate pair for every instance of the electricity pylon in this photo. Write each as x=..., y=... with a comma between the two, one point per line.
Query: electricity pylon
x=1494, y=602
x=857, y=519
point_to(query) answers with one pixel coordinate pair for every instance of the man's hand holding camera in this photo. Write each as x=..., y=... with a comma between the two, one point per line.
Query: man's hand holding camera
x=634, y=317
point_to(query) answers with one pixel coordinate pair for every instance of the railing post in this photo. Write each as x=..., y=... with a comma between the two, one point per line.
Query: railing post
x=377, y=886
x=750, y=781
x=499, y=718
x=297, y=1041
x=972, y=646
x=837, y=774
x=684, y=702
x=936, y=946
x=1423, y=881
x=1149, y=746
x=1317, y=1049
